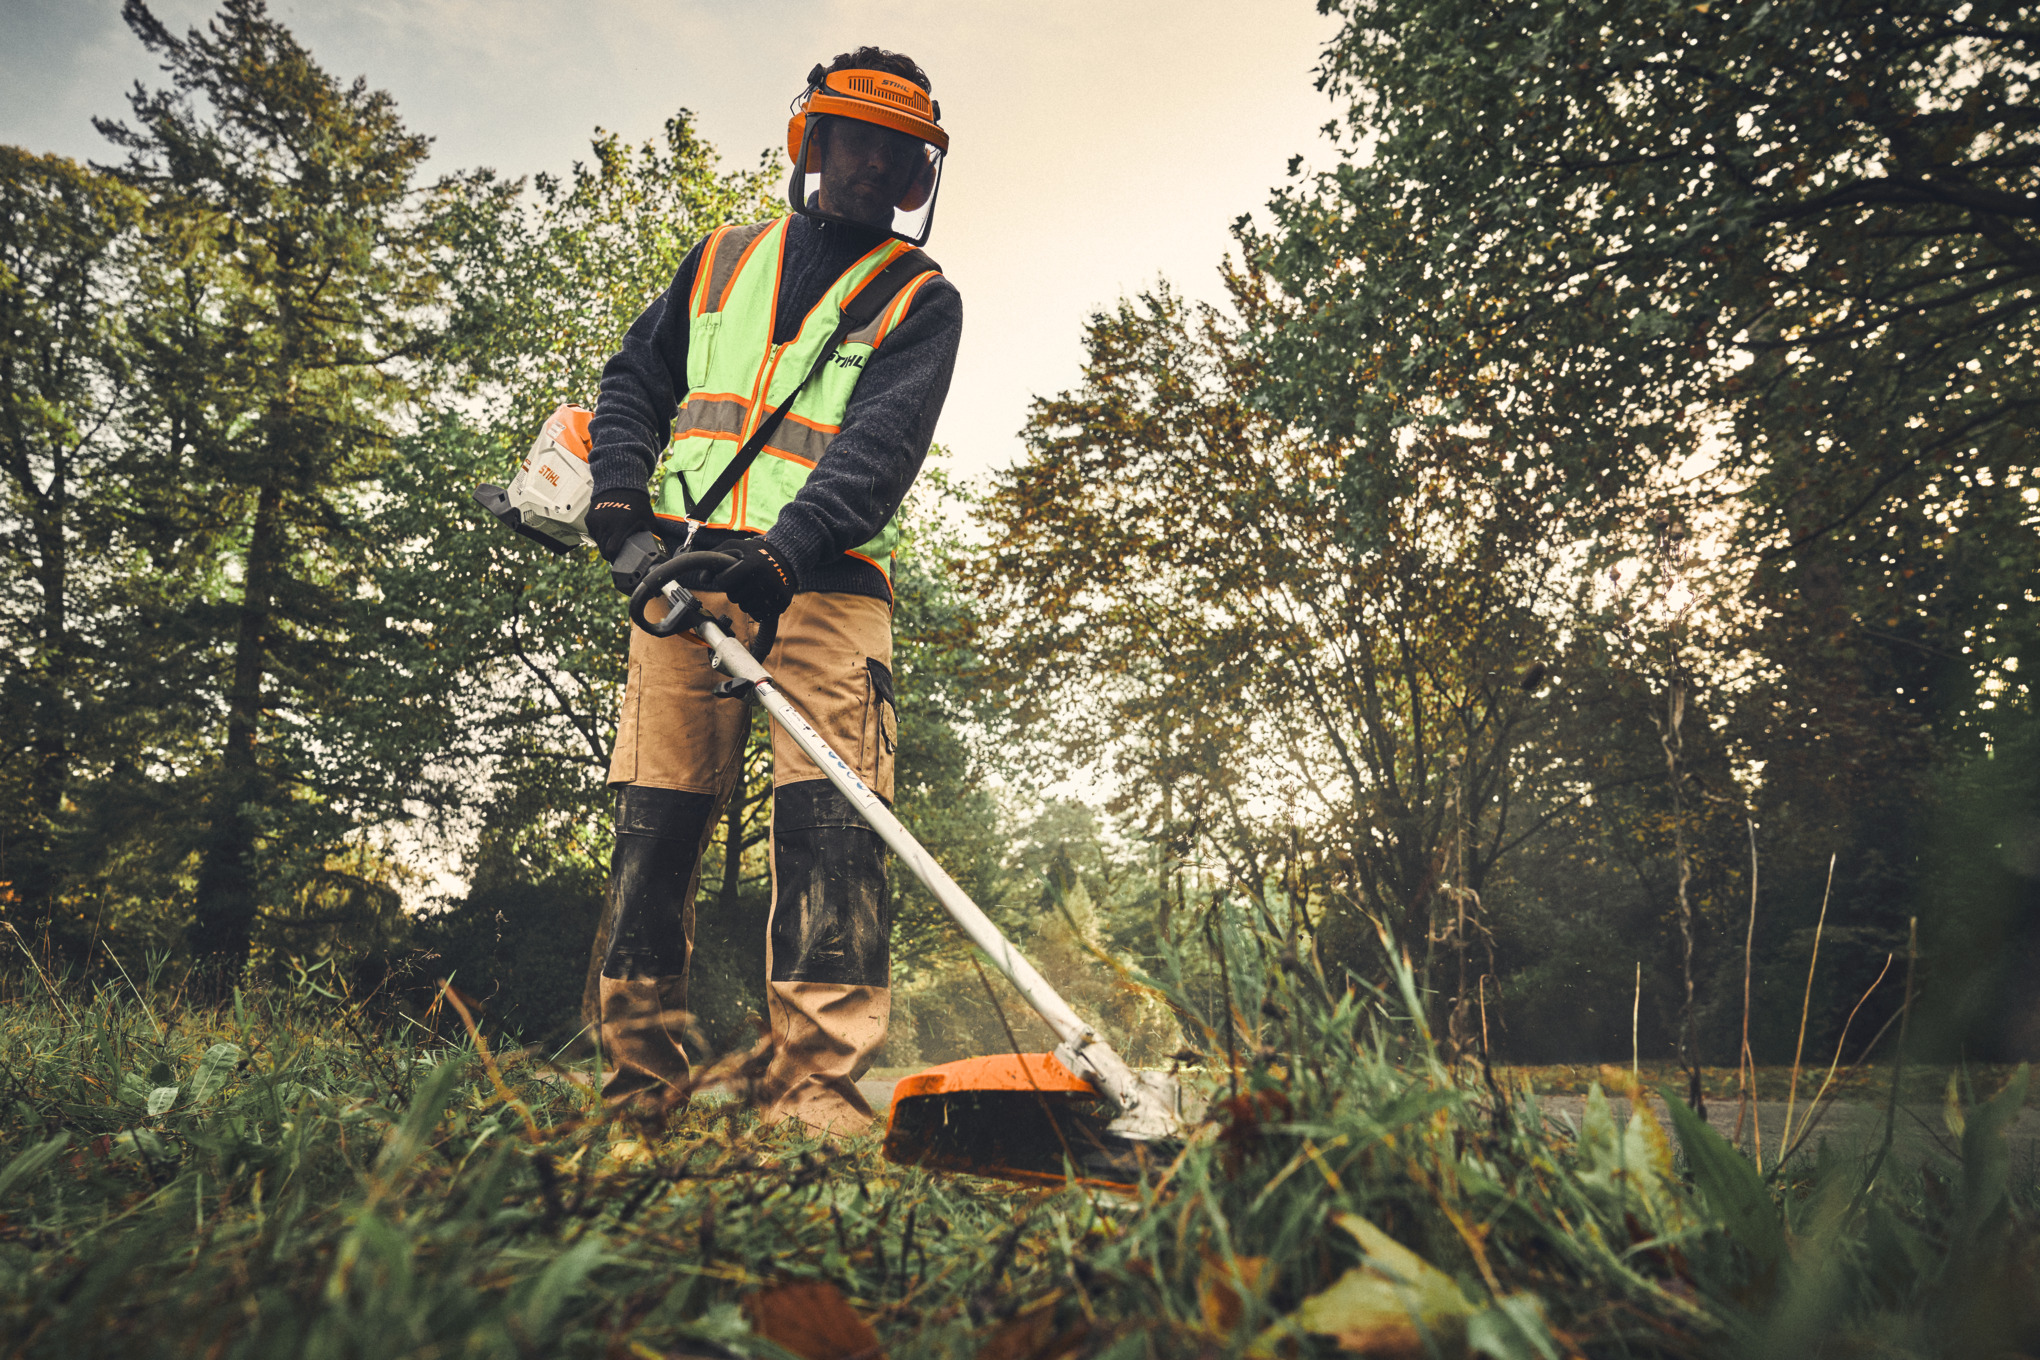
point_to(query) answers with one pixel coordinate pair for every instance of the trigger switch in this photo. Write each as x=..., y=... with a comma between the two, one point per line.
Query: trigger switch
x=639, y=554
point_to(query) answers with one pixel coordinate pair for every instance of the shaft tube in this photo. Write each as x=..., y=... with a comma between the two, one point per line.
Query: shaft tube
x=1105, y=1067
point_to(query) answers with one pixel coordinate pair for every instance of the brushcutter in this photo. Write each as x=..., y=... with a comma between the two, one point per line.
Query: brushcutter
x=1019, y=1116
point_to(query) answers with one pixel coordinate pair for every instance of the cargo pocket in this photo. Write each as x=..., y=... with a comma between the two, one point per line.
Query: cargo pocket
x=881, y=726
x=703, y=333
x=623, y=759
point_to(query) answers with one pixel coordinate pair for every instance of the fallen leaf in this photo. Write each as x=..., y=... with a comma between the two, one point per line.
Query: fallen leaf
x=813, y=1320
x=1032, y=1336
x=1395, y=1304
x=1621, y=1081
x=1216, y=1295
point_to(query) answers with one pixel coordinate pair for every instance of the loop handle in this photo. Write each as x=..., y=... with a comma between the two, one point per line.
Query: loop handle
x=690, y=571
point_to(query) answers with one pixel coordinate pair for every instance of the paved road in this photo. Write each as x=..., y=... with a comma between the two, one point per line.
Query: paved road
x=1849, y=1128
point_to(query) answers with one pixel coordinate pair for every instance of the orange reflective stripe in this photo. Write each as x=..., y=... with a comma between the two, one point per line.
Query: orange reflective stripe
x=814, y=424
x=801, y=444
x=704, y=270
x=720, y=416
x=883, y=570
x=738, y=270
x=898, y=311
x=741, y=494
x=808, y=463
x=893, y=250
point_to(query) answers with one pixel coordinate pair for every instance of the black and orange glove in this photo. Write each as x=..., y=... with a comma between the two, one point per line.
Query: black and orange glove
x=759, y=582
x=613, y=520
x=615, y=516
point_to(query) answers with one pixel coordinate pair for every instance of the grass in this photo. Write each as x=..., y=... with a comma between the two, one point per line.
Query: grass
x=284, y=1175
x=1922, y=1083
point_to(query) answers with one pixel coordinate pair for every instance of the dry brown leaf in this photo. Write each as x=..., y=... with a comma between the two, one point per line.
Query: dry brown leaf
x=813, y=1320
x=1219, y=1298
x=1032, y=1336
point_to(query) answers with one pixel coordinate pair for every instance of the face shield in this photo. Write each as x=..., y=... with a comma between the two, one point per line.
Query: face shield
x=867, y=150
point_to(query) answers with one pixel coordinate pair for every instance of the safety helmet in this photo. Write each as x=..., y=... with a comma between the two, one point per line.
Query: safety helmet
x=896, y=125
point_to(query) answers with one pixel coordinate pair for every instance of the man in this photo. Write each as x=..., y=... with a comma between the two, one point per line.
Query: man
x=754, y=320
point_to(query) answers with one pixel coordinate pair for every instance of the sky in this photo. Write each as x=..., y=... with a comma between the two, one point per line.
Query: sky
x=1096, y=147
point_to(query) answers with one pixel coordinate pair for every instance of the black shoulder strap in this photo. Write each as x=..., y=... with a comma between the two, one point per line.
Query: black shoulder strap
x=858, y=313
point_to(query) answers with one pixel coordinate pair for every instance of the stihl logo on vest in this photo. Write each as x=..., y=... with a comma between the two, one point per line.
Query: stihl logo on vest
x=842, y=360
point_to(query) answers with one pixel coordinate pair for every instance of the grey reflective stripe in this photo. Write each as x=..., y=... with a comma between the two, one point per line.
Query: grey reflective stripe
x=728, y=251
x=799, y=440
x=708, y=415
x=867, y=334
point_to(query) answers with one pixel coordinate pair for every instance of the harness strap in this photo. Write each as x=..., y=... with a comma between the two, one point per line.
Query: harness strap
x=858, y=312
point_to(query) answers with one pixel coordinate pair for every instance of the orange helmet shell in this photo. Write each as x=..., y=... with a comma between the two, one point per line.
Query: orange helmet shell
x=872, y=97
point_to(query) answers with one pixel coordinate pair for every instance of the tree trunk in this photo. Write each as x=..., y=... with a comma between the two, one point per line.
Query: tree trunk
x=34, y=874
x=1674, y=744
x=733, y=857
x=226, y=882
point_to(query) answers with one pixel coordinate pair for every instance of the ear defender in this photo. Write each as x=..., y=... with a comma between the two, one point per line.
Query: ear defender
x=796, y=126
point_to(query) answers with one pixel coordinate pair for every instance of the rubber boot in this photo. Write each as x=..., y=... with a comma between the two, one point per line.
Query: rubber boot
x=829, y=959
x=642, y=991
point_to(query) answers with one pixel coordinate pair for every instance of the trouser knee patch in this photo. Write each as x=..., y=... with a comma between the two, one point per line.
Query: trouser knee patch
x=658, y=841
x=831, y=918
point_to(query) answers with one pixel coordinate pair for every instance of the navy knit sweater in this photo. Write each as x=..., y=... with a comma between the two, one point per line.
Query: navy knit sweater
x=859, y=483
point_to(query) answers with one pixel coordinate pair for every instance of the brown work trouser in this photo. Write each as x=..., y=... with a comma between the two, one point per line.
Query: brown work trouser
x=827, y=962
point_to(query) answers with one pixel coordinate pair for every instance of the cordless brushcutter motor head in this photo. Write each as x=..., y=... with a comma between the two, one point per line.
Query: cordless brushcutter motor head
x=547, y=501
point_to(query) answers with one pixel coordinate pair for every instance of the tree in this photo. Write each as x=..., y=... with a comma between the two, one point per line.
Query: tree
x=525, y=651
x=312, y=324
x=1763, y=271
x=1809, y=227
x=1258, y=656
x=68, y=247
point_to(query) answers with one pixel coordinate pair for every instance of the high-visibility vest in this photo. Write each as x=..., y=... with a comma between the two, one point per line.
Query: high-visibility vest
x=736, y=377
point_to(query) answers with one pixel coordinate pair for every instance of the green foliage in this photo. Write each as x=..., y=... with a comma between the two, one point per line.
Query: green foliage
x=1265, y=664
x=525, y=651
x=1622, y=224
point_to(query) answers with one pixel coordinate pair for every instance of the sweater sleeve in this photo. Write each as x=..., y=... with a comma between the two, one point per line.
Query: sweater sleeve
x=641, y=388
x=862, y=478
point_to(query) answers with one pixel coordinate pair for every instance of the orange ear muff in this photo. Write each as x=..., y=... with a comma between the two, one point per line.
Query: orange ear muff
x=918, y=189
x=796, y=128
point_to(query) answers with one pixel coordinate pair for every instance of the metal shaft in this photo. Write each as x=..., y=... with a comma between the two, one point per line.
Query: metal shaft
x=1083, y=1049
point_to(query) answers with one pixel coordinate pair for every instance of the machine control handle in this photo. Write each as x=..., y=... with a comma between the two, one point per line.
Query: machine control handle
x=670, y=580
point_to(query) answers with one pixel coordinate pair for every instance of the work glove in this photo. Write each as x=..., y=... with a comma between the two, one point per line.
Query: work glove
x=759, y=582
x=616, y=517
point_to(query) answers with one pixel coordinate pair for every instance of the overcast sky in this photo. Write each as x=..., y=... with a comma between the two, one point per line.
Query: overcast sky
x=1096, y=146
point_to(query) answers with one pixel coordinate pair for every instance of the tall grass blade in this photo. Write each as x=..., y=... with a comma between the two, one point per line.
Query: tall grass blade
x=1732, y=1187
